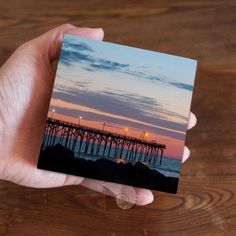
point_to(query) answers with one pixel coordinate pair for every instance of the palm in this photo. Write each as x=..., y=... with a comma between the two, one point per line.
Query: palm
x=30, y=82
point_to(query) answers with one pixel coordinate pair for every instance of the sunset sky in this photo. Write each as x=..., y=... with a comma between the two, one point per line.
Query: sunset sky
x=124, y=87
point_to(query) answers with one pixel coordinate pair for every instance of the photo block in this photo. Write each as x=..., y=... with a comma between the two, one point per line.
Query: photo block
x=118, y=114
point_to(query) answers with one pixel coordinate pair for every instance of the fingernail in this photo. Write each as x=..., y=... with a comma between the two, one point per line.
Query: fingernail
x=144, y=199
x=100, y=31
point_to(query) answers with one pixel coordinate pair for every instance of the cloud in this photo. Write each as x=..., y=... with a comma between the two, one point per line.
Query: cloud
x=73, y=44
x=100, y=101
x=68, y=57
x=111, y=120
x=109, y=65
x=141, y=102
x=74, y=51
x=127, y=105
x=182, y=85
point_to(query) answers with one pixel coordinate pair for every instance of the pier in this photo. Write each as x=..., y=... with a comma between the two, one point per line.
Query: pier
x=91, y=141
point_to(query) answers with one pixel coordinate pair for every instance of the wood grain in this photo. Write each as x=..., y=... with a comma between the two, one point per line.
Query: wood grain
x=205, y=204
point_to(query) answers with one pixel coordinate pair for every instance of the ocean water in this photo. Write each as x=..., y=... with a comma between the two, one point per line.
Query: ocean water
x=169, y=167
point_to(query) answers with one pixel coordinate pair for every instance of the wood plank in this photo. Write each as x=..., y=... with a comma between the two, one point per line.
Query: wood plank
x=205, y=204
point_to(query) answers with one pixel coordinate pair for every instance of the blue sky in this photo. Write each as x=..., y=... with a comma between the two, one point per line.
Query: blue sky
x=152, y=90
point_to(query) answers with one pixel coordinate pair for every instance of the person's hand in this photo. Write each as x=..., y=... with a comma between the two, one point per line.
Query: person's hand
x=26, y=82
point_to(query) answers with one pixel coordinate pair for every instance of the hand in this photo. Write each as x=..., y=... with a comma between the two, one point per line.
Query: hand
x=26, y=82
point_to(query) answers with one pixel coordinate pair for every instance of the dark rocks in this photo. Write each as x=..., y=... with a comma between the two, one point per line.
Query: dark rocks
x=61, y=159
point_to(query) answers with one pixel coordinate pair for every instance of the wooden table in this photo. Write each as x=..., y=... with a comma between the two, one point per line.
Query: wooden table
x=206, y=202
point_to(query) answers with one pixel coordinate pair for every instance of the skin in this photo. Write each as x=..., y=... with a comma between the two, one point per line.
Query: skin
x=26, y=82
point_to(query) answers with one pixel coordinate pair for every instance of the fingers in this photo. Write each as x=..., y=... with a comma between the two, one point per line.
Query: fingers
x=50, y=42
x=186, y=154
x=192, y=121
x=130, y=194
x=144, y=196
x=72, y=180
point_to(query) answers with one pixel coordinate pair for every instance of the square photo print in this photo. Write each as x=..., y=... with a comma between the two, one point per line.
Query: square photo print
x=118, y=114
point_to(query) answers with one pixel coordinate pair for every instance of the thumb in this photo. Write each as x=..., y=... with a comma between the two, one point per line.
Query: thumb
x=50, y=42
